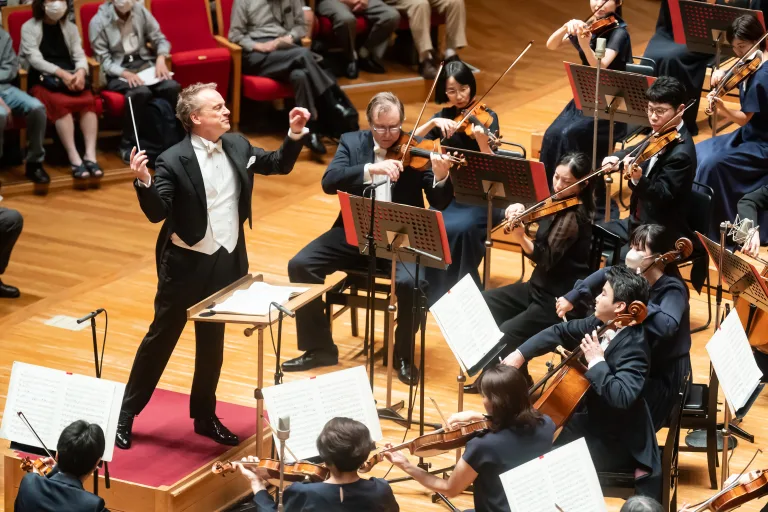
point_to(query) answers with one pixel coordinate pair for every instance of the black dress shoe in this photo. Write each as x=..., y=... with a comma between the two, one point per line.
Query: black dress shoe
x=8, y=292
x=428, y=69
x=371, y=65
x=311, y=359
x=471, y=389
x=212, y=427
x=314, y=144
x=36, y=173
x=407, y=373
x=351, y=71
x=124, y=430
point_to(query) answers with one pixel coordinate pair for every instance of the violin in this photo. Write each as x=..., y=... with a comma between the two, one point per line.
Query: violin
x=535, y=213
x=477, y=115
x=434, y=443
x=652, y=147
x=560, y=399
x=293, y=472
x=38, y=466
x=735, y=76
x=599, y=27
x=683, y=249
x=417, y=155
x=750, y=486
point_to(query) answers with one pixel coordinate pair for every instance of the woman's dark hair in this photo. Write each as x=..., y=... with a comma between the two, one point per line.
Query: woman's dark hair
x=578, y=164
x=507, y=390
x=38, y=10
x=344, y=444
x=666, y=89
x=641, y=504
x=747, y=28
x=461, y=73
x=80, y=447
x=658, y=240
x=627, y=285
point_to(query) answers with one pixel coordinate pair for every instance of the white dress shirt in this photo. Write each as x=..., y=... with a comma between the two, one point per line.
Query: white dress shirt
x=604, y=342
x=128, y=34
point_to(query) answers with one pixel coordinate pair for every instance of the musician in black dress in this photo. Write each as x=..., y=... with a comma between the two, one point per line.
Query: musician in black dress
x=519, y=433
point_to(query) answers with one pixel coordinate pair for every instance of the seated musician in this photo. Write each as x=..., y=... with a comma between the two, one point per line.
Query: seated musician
x=465, y=224
x=734, y=164
x=519, y=433
x=667, y=325
x=362, y=160
x=559, y=250
x=78, y=453
x=749, y=207
x=661, y=186
x=344, y=445
x=614, y=418
x=641, y=504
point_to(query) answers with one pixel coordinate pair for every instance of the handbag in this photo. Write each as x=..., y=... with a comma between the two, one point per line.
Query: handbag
x=56, y=84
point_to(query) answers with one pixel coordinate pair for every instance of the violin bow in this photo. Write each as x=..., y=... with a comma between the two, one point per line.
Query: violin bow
x=269, y=426
x=740, y=62
x=418, y=119
x=29, y=426
x=592, y=16
x=442, y=417
x=700, y=506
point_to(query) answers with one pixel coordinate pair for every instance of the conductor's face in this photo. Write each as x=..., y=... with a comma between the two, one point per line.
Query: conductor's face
x=386, y=127
x=211, y=119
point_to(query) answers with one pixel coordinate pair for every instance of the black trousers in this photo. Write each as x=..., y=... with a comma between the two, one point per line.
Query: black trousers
x=11, y=223
x=185, y=278
x=327, y=254
x=167, y=89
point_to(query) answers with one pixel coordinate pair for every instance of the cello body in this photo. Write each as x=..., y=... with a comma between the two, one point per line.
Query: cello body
x=560, y=399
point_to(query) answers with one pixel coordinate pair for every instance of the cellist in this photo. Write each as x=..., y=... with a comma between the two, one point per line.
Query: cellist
x=614, y=418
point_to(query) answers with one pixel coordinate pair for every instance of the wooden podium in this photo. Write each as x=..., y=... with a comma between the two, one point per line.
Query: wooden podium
x=200, y=312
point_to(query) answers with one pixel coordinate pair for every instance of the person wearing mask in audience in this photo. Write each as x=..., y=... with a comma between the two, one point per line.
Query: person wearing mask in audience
x=11, y=223
x=119, y=33
x=15, y=102
x=382, y=21
x=58, y=76
x=78, y=454
x=519, y=433
x=668, y=324
x=344, y=445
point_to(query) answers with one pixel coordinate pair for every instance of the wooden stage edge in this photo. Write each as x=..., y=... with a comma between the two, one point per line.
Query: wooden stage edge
x=199, y=491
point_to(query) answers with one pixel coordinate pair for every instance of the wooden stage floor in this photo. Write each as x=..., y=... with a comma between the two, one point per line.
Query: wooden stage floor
x=81, y=250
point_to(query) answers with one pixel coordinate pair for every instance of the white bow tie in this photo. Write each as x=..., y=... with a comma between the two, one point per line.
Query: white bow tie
x=210, y=147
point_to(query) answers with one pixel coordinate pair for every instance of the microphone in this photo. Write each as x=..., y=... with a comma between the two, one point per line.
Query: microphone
x=600, y=48
x=90, y=315
x=741, y=229
x=283, y=427
x=284, y=310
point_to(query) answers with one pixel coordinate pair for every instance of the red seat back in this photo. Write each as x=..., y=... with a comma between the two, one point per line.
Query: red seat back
x=16, y=19
x=87, y=10
x=186, y=23
x=224, y=7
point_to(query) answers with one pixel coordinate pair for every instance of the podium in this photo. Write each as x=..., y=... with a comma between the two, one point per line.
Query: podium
x=202, y=312
x=496, y=182
x=621, y=97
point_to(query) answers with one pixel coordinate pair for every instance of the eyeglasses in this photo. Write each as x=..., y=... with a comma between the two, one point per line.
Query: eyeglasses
x=658, y=111
x=452, y=91
x=381, y=130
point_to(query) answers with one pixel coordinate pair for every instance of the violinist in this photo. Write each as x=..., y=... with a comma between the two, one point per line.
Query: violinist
x=734, y=164
x=560, y=250
x=571, y=130
x=78, y=453
x=667, y=324
x=614, y=418
x=520, y=433
x=343, y=444
x=362, y=159
x=465, y=224
x=661, y=185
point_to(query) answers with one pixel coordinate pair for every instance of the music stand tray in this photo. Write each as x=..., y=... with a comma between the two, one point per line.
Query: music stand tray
x=701, y=25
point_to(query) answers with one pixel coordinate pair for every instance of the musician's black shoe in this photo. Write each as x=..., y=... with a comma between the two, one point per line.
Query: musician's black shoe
x=471, y=389
x=35, y=173
x=351, y=71
x=407, y=373
x=8, y=292
x=124, y=428
x=312, y=359
x=371, y=65
x=428, y=69
x=315, y=145
x=213, y=428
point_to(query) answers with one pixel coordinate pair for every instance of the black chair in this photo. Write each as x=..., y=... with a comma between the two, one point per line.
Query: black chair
x=604, y=246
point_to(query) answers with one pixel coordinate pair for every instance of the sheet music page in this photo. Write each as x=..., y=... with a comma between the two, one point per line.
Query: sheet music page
x=255, y=300
x=528, y=487
x=312, y=402
x=466, y=322
x=734, y=362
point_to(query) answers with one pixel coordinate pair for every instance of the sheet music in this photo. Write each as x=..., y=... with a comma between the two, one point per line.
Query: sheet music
x=52, y=399
x=148, y=75
x=734, y=362
x=565, y=476
x=312, y=402
x=466, y=323
x=255, y=299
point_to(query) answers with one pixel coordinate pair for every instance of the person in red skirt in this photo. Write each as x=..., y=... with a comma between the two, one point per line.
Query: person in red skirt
x=58, y=76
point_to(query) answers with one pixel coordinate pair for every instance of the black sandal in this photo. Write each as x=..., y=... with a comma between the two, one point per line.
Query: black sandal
x=79, y=172
x=93, y=168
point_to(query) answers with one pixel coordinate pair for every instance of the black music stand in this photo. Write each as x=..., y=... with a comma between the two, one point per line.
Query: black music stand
x=621, y=97
x=410, y=235
x=496, y=182
x=701, y=27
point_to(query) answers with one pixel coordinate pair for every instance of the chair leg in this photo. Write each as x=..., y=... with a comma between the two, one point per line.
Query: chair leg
x=709, y=309
x=712, y=461
x=353, y=310
x=329, y=315
x=387, y=316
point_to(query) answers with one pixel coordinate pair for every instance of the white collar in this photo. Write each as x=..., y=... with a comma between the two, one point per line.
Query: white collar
x=199, y=142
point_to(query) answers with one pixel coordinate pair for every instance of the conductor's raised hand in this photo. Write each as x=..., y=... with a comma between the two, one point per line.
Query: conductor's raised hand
x=390, y=168
x=139, y=165
x=298, y=118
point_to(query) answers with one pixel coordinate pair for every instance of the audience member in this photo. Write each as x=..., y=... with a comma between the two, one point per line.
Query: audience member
x=641, y=504
x=11, y=223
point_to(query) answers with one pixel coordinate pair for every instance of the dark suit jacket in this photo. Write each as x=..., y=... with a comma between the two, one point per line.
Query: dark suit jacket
x=177, y=193
x=614, y=405
x=750, y=206
x=369, y=495
x=59, y=491
x=345, y=173
x=662, y=197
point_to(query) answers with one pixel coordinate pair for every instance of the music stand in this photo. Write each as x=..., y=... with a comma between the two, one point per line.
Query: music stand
x=701, y=27
x=410, y=235
x=496, y=182
x=621, y=97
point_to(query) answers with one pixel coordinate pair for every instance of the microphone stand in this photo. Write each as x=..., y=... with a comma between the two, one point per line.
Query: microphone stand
x=281, y=310
x=283, y=433
x=599, y=54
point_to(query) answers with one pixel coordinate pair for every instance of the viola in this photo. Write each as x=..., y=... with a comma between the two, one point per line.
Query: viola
x=535, y=213
x=683, y=249
x=417, y=154
x=38, y=466
x=750, y=486
x=477, y=115
x=434, y=443
x=652, y=147
x=293, y=472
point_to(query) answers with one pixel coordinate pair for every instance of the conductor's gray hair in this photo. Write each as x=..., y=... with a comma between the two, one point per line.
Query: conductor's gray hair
x=641, y=504
x=188, y=103
x=383, y=102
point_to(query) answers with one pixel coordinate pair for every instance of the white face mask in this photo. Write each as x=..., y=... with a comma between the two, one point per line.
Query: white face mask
x=55, y=10
x=123, y=6
x=634, y=260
